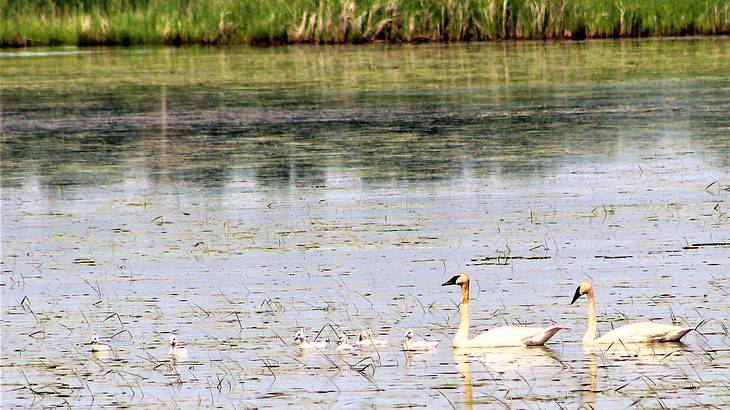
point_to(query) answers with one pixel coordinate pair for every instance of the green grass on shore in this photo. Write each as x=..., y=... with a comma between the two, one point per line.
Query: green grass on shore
x=126, y=22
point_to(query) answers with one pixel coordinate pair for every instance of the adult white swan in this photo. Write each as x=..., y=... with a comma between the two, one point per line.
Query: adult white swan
x=502, y=336
x=644, y=332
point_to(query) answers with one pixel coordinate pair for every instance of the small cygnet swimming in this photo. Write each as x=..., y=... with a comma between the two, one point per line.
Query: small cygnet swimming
x=411, y=345
x=176, y=351
x=364, y=339
x=302, y=342
x=343, y=345
x=97, y=347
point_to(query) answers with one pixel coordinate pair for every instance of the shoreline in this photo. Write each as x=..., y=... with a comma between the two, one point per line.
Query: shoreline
x=367, y=43
x=506, y=42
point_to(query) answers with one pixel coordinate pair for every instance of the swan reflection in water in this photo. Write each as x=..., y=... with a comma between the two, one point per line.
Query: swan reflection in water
x=623, y=354
x=497, y=361
x=640, y=353
x=501, y=363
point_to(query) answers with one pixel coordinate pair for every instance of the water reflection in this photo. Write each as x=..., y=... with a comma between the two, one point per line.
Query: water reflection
x=496, y=362
x=373, y=115
x=636, y=359
x=463, y=363
x=588, y=392
x=637, y=353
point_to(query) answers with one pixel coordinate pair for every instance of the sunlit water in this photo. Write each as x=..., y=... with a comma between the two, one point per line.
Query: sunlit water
x=235, y=195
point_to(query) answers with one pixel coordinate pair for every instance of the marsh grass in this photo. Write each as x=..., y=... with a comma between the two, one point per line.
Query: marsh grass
x=130, y=22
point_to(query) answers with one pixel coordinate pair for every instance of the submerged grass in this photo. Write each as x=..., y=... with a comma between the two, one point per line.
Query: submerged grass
x=127, y=22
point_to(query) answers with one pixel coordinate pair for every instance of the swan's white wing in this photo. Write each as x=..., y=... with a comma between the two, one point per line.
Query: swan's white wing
x=644, y=332
x=505, y=336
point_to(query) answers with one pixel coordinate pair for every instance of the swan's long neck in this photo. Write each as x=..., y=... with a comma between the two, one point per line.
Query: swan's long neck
x=462, y=335
x=590, y=335
x=465, y=294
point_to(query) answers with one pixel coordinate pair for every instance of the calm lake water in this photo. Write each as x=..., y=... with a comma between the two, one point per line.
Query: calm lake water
x=235, y=195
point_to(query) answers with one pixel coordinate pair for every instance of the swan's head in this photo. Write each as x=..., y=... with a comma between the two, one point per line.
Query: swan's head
x=460, y=279
x=584, y=287
x=95, y=339
x=173, y=341
x=299, y=337
x=409, y=334
x=342, y=340
x=363, y=336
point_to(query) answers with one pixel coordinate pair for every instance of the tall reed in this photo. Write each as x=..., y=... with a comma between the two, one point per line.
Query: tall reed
x=126, y=22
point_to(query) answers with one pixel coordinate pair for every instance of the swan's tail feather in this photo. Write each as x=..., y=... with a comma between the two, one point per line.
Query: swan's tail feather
x=540, y=339
x=675, y=335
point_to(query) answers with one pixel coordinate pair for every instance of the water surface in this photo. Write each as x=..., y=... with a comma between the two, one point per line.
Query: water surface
x=234, y=195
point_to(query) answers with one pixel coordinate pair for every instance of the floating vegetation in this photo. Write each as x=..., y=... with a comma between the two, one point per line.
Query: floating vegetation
x=503, y=260
x=613, y=256
x=707, y=244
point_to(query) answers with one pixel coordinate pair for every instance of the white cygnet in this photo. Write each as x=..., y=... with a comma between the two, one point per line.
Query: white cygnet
x=97, y=347
x=176, y=351
x=343, y=345
x=302, y=342
x=364, y=339
x=411, y=345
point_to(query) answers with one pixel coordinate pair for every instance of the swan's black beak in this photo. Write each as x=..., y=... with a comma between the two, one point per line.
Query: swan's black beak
x=576, y=296
x=451, y=281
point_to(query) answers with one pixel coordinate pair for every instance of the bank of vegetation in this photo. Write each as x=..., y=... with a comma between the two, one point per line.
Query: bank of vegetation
x=129, y=22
